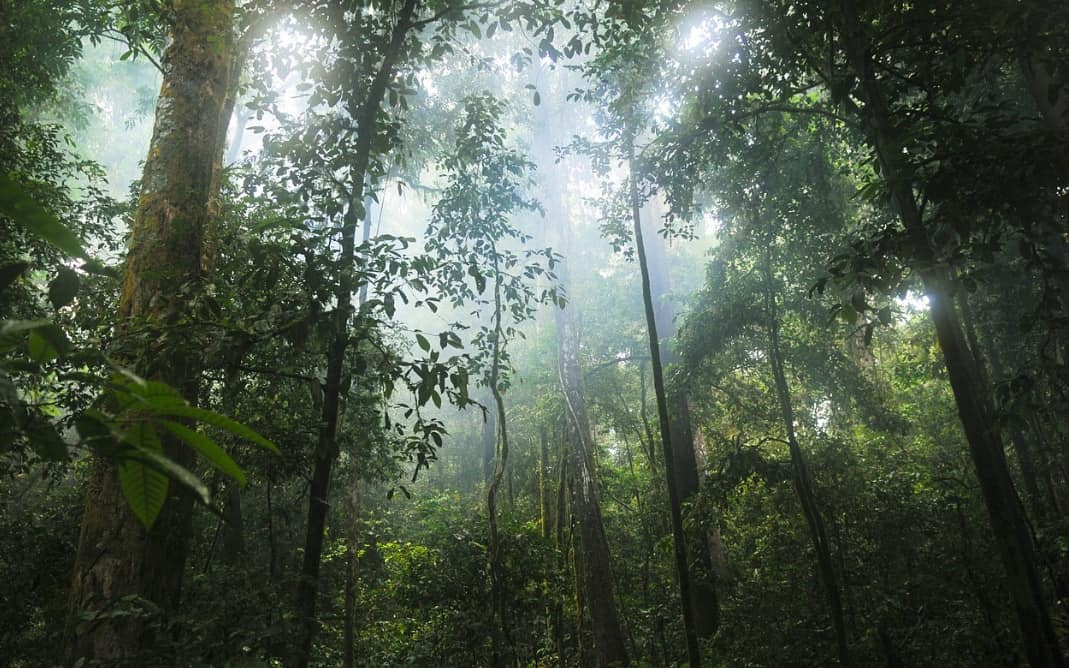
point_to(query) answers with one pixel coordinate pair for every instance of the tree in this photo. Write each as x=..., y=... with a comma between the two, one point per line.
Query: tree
x=470, y=239
x=168, y=265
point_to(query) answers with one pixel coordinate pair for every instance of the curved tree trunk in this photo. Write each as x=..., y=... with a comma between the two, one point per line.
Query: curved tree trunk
x=595, y=572
x=503, y=651
x=594, y=583
x=169, y=258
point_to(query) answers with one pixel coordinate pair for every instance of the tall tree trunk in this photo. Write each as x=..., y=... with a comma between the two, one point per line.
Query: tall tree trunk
x=489, y=440
x=593, y=564
x=595, y=571
x=348, y=631
x=560, y=520
x=168, y=260
x=233, y=522
x=704, y=600
x=326, y=449
x=678, y=538
x=803, y=482
x=1004, y=509
x=544, y=505
x=1021, y=447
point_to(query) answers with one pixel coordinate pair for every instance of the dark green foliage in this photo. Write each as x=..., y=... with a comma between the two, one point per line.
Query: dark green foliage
x=757, y=155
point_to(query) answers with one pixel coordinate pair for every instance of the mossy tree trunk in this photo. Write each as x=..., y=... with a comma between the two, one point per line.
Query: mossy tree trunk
x=168, y=263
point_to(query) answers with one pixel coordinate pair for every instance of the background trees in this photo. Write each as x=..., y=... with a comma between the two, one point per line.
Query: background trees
x=433, y=197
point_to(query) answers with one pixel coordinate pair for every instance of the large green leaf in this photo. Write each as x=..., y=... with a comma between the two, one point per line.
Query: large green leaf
x=144, y=486
x=47, y=343
x=135, y=392
x=179, y=474
x=219, y=421
x=207, y=447
x=20, y=207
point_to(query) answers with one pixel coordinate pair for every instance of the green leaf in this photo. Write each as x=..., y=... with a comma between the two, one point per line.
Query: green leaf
x=133, y=391
x=145, y=490
x=47, y=343
x=20, y=207
x=179, y=474
x=219, y=421
x=423, y=342
x=63, y=288
x=144, y=486
x=207, y=447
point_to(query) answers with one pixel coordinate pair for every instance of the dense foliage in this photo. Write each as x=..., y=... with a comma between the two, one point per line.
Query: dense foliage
x=548, y=332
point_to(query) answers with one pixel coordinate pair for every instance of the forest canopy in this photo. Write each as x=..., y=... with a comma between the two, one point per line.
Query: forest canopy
x=534, y=333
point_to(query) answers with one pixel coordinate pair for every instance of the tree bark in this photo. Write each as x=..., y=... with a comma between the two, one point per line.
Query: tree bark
x=678, y=538
x=562, y=548
x=168, y=260
x=366, y=116
x=1004, y=509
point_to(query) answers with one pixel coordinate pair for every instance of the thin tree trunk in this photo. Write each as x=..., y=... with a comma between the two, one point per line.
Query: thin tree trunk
x=502, y=654
x=562, y=548
x=678, y=538
x=348, y=635
x=1006, y=515
x=169, y=255
x=272, y=549
x=233, y=525
x=489, y=442
x=803, y=482
x=705, y=603
x=544, y=522
x=326, y=448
